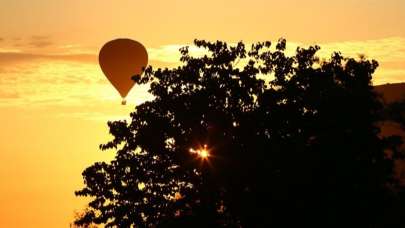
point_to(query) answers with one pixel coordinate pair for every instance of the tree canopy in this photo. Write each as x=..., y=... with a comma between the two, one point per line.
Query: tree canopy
x=290, y=140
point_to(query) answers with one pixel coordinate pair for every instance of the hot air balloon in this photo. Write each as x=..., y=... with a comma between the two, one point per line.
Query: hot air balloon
x=120, y=60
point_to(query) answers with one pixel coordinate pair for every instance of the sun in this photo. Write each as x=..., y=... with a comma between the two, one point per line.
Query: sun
x=203, y=153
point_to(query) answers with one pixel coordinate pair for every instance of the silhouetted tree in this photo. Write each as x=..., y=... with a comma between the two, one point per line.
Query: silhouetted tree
x=78, y=215
x=292, y=140
x=396, y=112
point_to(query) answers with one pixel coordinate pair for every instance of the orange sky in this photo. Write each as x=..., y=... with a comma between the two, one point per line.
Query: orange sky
x=55, y=101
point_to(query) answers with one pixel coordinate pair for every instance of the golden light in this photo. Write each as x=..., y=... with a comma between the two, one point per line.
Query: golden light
x=202, y=153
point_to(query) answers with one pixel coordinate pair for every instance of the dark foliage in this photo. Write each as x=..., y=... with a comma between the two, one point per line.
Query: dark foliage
x=396, y=112
x=292, y=140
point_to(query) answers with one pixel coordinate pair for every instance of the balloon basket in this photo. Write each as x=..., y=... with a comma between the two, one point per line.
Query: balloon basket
x=123, y=102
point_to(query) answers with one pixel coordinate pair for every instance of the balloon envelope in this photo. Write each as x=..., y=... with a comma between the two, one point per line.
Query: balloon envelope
x=121, y=59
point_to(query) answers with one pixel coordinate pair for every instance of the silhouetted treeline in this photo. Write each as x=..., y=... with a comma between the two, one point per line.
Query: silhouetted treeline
x=293, y=140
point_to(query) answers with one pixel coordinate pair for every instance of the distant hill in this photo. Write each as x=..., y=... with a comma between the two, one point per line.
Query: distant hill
x=392, y=93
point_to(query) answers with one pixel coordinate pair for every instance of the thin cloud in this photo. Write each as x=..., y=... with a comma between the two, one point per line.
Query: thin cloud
x=59, y=83
x=36, y=42
x=40, y=37
x=388, y=49
x=40, y=41
x=97, y=116
x=75, y=49
x=76, y=79
x=383, y=50
x=171, y=53
x=389, y=52
x=13, y=56
x=9, y=95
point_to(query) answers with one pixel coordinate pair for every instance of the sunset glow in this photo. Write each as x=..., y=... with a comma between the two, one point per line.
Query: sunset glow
x=202, y=153
x=55, y=100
